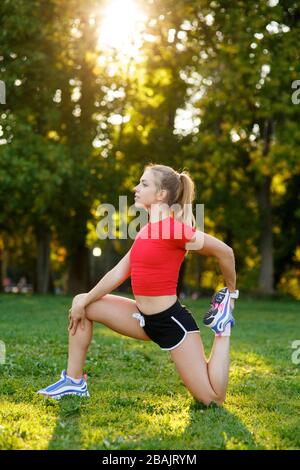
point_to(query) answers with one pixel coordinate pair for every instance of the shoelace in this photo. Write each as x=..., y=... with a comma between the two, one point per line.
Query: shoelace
x=139, y=317
x=216, y=299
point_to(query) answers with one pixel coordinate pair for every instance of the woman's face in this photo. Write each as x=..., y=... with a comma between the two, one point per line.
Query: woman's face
x=146, y=193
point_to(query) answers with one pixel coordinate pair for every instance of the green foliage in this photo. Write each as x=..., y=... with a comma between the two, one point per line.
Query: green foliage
x=233, y=61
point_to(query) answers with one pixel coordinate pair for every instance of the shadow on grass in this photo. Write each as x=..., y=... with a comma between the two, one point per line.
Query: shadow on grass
x=67, y=434
x=209, y=428
x=220, y=428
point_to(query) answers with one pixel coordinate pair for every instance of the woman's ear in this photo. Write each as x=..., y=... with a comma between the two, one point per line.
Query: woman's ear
x=162, y=194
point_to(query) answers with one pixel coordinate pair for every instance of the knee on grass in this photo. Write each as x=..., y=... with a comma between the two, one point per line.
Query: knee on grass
x=210, y=401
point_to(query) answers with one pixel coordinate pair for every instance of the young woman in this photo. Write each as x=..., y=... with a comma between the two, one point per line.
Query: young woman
x=156, y=314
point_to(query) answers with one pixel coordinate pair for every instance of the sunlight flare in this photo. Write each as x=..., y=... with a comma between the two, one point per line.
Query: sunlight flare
x=121, y=27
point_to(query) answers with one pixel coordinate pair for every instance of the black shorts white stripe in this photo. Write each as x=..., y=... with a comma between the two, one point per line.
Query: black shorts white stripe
x=170, y=327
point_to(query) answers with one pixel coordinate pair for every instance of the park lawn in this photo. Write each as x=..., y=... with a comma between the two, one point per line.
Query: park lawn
x=137, y=398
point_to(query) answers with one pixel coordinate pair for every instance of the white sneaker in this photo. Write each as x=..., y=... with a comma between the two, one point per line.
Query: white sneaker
x=220, y=312
x=65, y=386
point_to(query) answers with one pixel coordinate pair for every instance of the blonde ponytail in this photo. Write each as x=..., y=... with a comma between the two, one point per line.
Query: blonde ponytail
x=186, y=197
x=180, y=189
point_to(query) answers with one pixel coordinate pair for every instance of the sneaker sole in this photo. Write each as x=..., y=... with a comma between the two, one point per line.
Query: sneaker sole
x=220, y=325
x=219, y=314
x=61, y=395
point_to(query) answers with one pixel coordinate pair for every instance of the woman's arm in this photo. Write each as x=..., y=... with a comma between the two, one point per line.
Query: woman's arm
x=110, y=281
x=206, y=245
x=227, y=266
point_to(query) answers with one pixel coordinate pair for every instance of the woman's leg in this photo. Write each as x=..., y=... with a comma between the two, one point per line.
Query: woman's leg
x=207, y=382
x=218, y=365
x=111, y=310
x=78, y=348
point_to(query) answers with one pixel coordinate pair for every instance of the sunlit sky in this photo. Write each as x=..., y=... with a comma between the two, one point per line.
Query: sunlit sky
x=122, y=23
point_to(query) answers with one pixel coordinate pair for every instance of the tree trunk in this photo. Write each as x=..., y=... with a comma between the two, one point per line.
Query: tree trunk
x=266, y=275
x=79, y=272
x=3, y=267
x=1, y=276
x=43, y=238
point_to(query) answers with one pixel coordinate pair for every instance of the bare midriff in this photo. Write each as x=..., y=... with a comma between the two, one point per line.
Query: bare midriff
x=150, y=305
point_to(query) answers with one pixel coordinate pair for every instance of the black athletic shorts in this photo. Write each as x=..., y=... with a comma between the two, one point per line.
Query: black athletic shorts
x=168, y=328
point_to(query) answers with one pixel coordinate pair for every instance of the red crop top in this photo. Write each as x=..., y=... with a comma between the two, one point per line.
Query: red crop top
x=156, y=256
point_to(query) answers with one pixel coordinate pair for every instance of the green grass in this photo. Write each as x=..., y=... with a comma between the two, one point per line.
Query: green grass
x=137, y=398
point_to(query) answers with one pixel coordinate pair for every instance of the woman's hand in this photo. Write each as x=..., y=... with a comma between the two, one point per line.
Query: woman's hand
x=77, y=314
